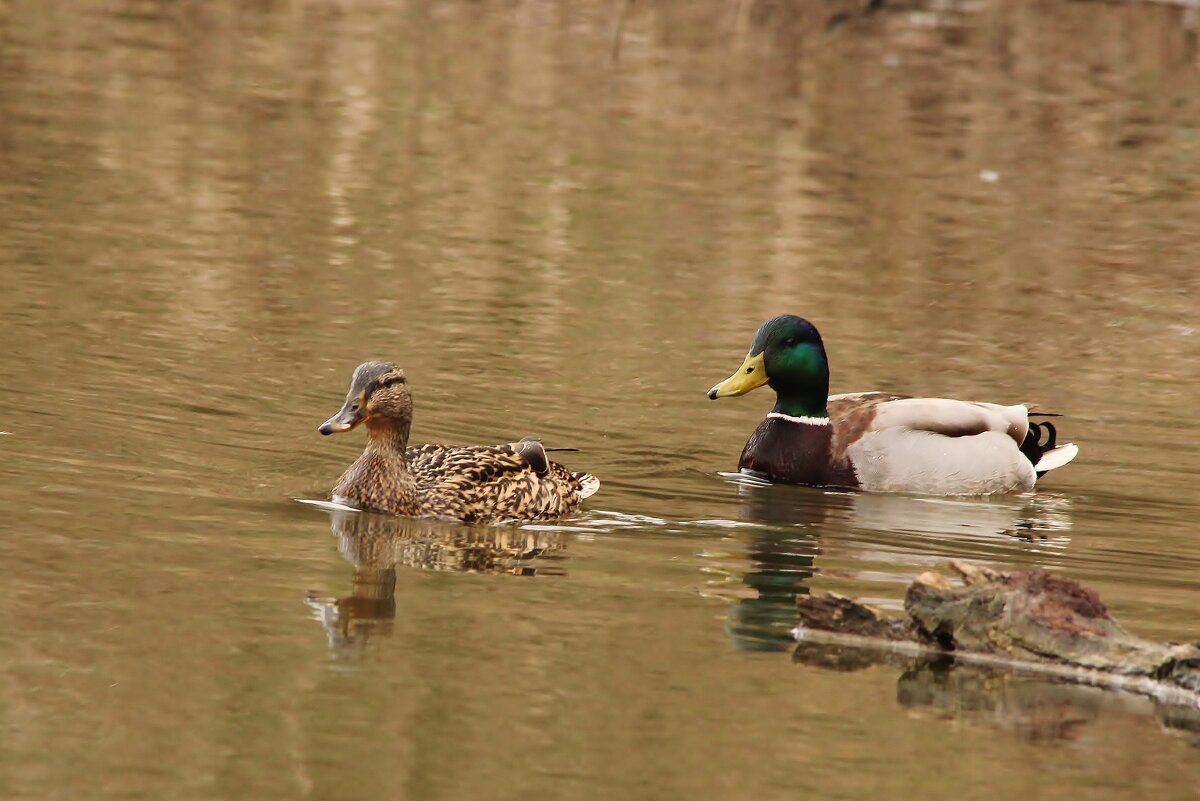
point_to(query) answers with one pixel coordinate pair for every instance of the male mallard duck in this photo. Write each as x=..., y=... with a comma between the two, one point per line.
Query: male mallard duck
x=878, y=441
x=485, y=483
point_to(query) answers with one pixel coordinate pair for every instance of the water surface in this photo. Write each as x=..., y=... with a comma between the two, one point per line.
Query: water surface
x=212, y=212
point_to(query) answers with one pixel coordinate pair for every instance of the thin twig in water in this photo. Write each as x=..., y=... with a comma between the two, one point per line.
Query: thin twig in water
x=618, y=29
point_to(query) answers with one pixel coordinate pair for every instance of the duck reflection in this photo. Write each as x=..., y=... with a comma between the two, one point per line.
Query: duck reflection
x=1034, y=710
x=375, y=544
x=795, y=525
x=1042, y=519
x=792, y=526
x=781, y=559
x=779, y=568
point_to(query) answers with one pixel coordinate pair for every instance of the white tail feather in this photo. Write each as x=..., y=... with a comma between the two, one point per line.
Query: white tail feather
x=1057, y=457
x=589, y=485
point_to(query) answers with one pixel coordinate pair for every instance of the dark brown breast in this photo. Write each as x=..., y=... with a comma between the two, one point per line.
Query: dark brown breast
x=797, y=453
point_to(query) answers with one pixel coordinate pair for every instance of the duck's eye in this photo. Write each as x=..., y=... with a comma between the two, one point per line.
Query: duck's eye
x=354, y=406
x=790, y=342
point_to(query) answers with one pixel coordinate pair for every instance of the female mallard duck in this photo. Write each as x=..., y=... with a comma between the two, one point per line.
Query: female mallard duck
x=468, y=483
x=877, y=441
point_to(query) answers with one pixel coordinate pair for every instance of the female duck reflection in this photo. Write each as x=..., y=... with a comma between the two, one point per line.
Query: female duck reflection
x=802, y=523
x=375, y=544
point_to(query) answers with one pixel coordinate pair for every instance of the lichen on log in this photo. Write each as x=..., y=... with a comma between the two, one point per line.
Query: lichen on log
x=1028, y=621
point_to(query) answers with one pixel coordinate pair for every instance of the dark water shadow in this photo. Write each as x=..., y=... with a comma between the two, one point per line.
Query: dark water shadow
x=376, y=544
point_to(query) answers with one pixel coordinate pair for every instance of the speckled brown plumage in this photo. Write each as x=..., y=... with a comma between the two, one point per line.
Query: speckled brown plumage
x=493, y=483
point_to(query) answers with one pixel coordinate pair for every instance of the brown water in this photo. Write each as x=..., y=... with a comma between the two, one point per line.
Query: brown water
x=210, y=212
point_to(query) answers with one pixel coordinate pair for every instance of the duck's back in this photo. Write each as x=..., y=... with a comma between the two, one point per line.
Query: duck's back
x=496, y=482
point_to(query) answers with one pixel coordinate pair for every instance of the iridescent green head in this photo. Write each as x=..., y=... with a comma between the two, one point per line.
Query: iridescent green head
x=787, y=354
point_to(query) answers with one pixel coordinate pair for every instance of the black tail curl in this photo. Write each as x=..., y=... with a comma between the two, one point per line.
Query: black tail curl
x=1033, y=447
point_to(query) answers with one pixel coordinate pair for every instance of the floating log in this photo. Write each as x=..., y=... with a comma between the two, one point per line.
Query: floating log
x=1029, y=621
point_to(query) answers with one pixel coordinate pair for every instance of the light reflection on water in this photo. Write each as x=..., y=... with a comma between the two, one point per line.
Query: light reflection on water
x=213, y=211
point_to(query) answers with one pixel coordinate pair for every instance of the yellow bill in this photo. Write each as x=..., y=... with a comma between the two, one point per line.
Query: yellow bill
x=751, y=375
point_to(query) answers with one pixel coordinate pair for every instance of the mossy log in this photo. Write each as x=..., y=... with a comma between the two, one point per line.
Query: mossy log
x=1025, y=621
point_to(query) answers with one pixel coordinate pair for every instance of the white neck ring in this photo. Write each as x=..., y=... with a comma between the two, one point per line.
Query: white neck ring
x=805, y=420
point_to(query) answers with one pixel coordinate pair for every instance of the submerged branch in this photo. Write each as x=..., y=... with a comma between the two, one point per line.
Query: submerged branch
x=1029, y=622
